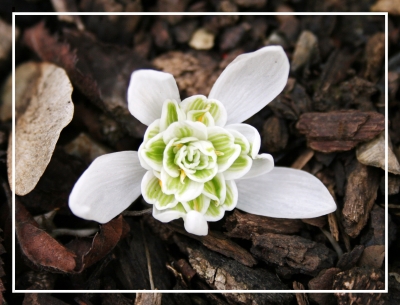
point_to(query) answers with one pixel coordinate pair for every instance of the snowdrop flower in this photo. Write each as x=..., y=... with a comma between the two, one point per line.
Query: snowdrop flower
x=197, y=159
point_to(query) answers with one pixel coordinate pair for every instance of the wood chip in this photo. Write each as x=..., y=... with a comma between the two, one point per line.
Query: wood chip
x=222, y=273
x=300, y=297
x=245, y=226
x=349, y=259
x=319, y=222
x=333, y=226
x=148, y=299
x=305, y=51
x=300, y=254
x=361, y=192
x=359, y=279
x=372, y=153
x=340, y=130
x=219, y=243
x=323, y=281
x=372, y=256
x=46, y=110
x=374, y=53
x=390, y=6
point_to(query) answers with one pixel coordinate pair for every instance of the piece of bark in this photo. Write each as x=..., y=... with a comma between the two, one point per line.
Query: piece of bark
x=303, y=159
x=393, y=185
x=372, y=153
x=340, y=130
x=323, y=281
x=333, y=226
x=361, y=192
x=300, y=297
x=376, y=231
x=298, y=254
x=185, y=269
x=350, y=259
x=245, y=226
x=319, y=222
x=114, y=299
x=289, y=25
x=148, y=299
x=372, y=256
x=104, y=85
x=47, y=109
x=359, y=279
x=222, y=274
x=68, y=6
x=132, y=266
x=275, y=134
x=374, y=55
x=358, y=92
x=41, y=299
x=221, y=244
x=232, y=36
x=390, y=6
x=334, y=71
x=116, y=29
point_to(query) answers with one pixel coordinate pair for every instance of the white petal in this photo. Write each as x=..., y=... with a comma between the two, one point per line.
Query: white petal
x=251, y=134
x=195, y=223
x=107, y=187
x=262, y=164
x=251, y=81
x=239, y=168
x=147, y=91
x=285, y=193
x=170, y=214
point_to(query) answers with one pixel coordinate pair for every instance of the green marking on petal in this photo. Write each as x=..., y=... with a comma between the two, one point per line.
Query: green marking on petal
x=188, y=190
x=186, y=129
x=216, y=188
x=196, y=102
x=231, y=195
x=214, y=212
x=203, y=175
x=153, y=194
x=240, y=140
x=239, y=167
x=169, y=160
x=218, y=112
x=171, y=113
x=199, y=204
x=201, y=116
x=153, y=152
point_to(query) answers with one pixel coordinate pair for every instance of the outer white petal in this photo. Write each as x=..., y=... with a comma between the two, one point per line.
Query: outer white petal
x=186, y=129
x=147, y=91
x=251, y=81
x=285, y=193
x=251, y=134
x=195, y=223
x=107, y=187
x=262, y=164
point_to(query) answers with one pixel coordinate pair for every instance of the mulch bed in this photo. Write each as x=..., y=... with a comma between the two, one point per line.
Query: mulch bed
x=328, y=121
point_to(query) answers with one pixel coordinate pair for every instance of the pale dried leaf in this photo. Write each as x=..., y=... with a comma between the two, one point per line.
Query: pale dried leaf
x=43, y=109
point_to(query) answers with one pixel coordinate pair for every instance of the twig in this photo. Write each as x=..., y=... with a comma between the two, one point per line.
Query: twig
x=148, y=258
x=137, y=213
x=334, y=243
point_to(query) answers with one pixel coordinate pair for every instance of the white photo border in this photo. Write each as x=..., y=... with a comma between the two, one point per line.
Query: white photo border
x=14, y=14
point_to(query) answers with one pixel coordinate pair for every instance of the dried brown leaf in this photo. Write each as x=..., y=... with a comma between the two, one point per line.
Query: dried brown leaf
x=44, y=251
x=44, y=110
